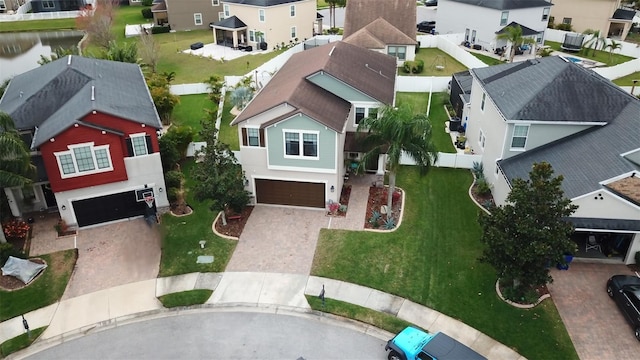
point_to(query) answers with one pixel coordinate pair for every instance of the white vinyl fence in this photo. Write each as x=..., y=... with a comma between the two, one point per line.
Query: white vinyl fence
x=450, y=160
x=620, y=70
x=628, y=49
x=189, y=89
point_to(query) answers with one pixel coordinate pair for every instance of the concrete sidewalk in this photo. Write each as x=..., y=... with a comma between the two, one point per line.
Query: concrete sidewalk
x=79, y=316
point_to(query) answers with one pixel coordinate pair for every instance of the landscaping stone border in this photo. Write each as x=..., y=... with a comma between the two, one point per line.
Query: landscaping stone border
x=520, y=306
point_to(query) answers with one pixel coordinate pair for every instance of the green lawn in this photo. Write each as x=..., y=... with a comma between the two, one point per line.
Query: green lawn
x=38, y=25
x=190, y=110
x=127, y=15
x=487, y=59
x=20, y=342
x=437, y=115
x=228, y=134
x=43, y=291
x=628, y=80
x=433, y=57
x=181, y=236
x=432, y=260
x=600, y=56
x=185, y=298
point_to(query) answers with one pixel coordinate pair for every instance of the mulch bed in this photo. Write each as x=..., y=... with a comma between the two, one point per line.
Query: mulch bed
x=10, y=283
x=234, y=227
x=486, y=201
x=345, y=194
x=377, y=198
x=181, y=209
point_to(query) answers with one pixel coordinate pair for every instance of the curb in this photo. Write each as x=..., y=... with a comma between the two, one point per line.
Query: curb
x=213, y=228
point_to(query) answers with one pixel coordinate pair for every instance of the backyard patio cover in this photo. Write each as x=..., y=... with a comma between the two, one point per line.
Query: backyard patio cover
x=525, y=30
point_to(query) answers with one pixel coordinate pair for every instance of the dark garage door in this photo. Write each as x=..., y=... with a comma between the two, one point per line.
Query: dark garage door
x=290, y=193
x=107, y=208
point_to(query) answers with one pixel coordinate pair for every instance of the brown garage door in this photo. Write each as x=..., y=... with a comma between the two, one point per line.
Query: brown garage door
x=290, y=193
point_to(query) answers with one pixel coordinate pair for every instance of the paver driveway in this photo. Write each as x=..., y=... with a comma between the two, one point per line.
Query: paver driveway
x=278, y=239
x=596, y=326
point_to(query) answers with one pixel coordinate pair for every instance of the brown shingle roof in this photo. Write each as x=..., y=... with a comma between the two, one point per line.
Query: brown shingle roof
x=378, y=34
x=629, y=188
x=399, y=13
x=367, y=71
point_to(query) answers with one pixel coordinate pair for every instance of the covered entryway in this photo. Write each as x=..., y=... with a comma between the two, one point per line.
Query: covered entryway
x=108, y=208
x=295, y=193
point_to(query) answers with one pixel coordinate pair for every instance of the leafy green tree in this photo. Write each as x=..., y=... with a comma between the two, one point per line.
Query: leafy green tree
x=219, y=177
x=162, y=97
x=15, y=160
x=240, y=96
x=529, y=233
x=594, y=42
x=121, y=51
x=58, y=53
x=613, y=46
x=513, y=35
x=395, y=131
x=215, y=84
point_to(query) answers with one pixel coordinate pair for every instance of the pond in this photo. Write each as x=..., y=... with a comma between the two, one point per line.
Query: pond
x=20, y=52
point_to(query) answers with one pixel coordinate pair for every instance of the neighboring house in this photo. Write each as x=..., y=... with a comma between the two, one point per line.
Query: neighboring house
x=460, y=92
x=481, y=20
x=274, y=23
x=56, y=5
x=384, y=26
x=586, y=127
x=10, y=5
x=92, y=128
x=603, y=15
x=298, y=135
x=187, y=14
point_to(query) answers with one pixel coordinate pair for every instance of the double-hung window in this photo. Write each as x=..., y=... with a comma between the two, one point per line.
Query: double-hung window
x=48, y=5
x=83, y=159
x=481, y=139
x=261, y=15
x=484, y=98
x=519, y=138
x=2, y=5
x=294, y=32
x=399, y=52
x=360, y=114
x=225, y=9
x=545, y=13
x=197, y=19
x=292, y=10
x=215, y=2
x=504, y=18
x=253, y=137
x=301, y=144
x=139, y=144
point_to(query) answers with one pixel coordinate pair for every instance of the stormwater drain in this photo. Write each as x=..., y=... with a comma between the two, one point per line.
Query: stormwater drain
x=204, y=259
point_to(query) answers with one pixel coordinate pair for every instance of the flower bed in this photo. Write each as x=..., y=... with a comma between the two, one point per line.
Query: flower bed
x=377, y=198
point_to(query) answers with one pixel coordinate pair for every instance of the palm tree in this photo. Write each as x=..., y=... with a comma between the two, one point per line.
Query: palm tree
x=15, y=161
x=394, y=132
x=612, y=46
x=332, y=10
x=594, y=41
x=513, y=34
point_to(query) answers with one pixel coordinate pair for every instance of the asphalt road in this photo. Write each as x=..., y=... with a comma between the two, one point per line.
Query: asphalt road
x=220, y=335
x=423, y=13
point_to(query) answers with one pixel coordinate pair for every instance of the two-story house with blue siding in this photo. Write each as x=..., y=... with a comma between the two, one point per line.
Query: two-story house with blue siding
x=298, y=133
x=586, y=127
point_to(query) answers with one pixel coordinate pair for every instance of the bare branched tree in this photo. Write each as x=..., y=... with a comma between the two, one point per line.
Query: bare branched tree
x=149, y=49
x=97, y=22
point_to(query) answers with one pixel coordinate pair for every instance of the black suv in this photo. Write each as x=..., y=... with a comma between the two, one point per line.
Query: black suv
x=426, y=26
x=625, y=290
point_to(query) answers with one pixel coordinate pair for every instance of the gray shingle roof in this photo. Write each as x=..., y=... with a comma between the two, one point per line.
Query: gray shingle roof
x=622, y=14
x=465, y=80
x=587, y=158
x=551, y=89
x=263, y=3
x=55, y=96
x=506, y=4
x=348, y=63
x=525, y=30
x=229, y=23
x=604, y=224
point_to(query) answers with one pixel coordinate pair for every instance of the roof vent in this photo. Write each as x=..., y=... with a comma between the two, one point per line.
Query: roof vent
x=331, y=52
x=21, y=93
x=93, y=93
x=69, y=60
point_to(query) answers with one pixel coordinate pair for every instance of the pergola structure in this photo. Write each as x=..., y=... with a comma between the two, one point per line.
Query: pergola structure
x=230, y=32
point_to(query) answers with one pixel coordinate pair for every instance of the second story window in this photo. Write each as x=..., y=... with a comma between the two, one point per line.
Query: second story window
x=83, y=159
x=215, y=2
x=197, y=19
x=261, y=15
x=307, y=149
x=484, y=98
x=292, y=10
x=545, y=14
x=504, y=18
x=227, y=12
x=519, y=138
x=359, y=114
x=139, y=144
x=253, y=137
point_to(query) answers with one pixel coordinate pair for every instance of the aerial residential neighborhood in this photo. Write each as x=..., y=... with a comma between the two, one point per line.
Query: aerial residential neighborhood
x=320, y=179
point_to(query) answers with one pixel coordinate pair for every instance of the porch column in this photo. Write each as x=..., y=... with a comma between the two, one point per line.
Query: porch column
x=215, y=41
x=13, y=202
x=235, y=39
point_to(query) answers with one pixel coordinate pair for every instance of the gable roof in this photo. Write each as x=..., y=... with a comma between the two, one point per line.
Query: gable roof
x=589, y=157
x=525, y=30
x=399, y=13
x=347, y=63
x=623, y=14
x=506, y=4
x=229, y=23
x=551, y=89
x=55, y=96
x=262, y=3
x=379, y=33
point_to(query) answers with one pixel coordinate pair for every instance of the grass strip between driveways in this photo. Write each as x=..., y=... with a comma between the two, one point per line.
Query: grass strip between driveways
x=378, y=319
x=185, y=298
x=432, y=259
x=20, y=342
x=44, y=290
x=181, y=236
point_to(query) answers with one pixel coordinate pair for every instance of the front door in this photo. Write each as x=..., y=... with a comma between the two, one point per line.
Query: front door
x=49, y=196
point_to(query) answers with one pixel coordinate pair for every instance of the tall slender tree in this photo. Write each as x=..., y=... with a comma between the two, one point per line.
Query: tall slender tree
x=332, y=10
x=395, y=131
x=594, y=42
x=15, y=161
x=613, y=46
x=513, y=35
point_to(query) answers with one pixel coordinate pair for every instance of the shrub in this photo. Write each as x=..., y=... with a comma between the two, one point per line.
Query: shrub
x=478, y=170
x=334, y=207
x=146, y=13
x=565, y=27
x=172, y=194
x=169, y=154
x=375, y=218
x=482, y=186
x=173, y=179
x=147, y=2
x=406, y=67
x=417, y=67
x=342, y=208
x=389, y=224
x=16, y=229
x=160, y=29
x=7, y=250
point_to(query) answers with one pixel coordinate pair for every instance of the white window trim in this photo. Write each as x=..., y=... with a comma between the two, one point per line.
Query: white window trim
x=292, y=9
x=3, y=6
x=483, y=102
x=262, y=15
x=300, y=144
x=220, y=15
x=50, y=5
x=506, y=20
x=366, y=112
x=144, y=139
x=545, y=14
x=249, y=142
x=481, y=139
x=215, y=2
x=226, y=10
x=75, y=163
x=395, y=54
x=526, y=138
x=294, y=32
x=195, y=19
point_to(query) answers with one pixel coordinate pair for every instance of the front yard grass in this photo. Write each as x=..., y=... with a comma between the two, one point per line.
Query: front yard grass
x=437, y=115
x=429, y=56
x=628, y=80
x=45, y=290
x=20, y=342
x=432, y=259
x=181, y=236
x=600, y=56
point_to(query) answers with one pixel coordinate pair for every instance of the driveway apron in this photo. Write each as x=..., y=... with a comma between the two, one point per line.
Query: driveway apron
x=114, y=254
x=278, y=239
x=595, y=324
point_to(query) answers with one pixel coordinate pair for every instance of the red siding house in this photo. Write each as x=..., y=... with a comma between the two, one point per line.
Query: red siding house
x=92, y=129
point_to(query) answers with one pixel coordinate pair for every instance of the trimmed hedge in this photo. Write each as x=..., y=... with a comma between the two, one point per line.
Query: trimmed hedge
x=160, y=29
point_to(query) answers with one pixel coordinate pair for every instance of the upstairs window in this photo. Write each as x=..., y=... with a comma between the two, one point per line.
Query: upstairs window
x=519, y=138
x=292, y=10
x=83, y=159
x=215, y=2
x=225, y=9
x=253, y=137
x=545, y=14
x=504, y=18
x=139, y=144
x=261, y=15
x=360, y=114
x=307, y=149
x=484, y=98
x=197, y=19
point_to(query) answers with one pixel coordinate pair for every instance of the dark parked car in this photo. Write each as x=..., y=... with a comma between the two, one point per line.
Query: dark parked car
x=426, y=26
x=625, y=290
x=430, y=2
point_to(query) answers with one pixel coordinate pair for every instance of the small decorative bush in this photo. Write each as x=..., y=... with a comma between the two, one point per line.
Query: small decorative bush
x=406, y=67
x=565, y=27
x=160, y=29
x=417, y=67
x=172, y=194
x=343, y=208
x=16, y=229
x=482, y=186
x=375, y=219
x=389, y=224
x=478, y=170
x=334, y=207
x=173, y=179
x=147, y=14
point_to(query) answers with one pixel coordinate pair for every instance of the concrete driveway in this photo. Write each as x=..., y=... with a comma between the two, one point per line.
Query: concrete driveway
x=278, y=239
x=596, y=326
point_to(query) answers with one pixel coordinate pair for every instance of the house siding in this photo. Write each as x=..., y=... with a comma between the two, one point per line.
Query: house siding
x=339, y=88
x=585, y=14
x=590, y=206
x=540, y=134
x=180, y=14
